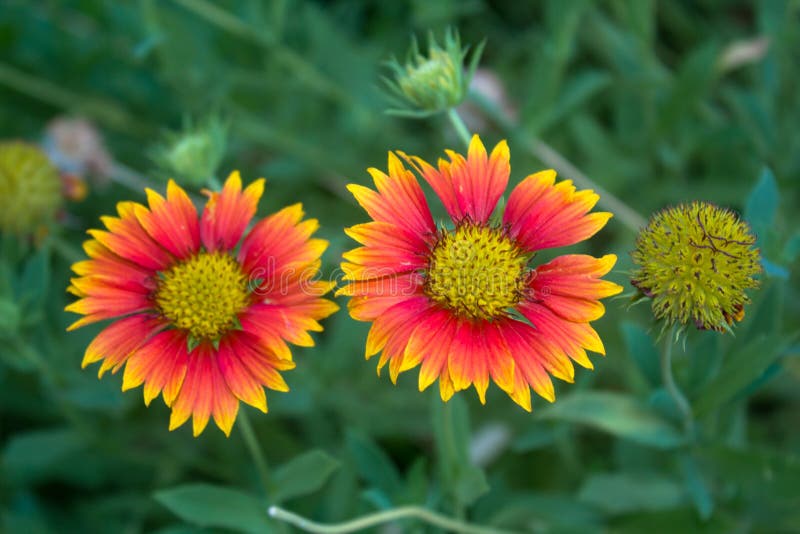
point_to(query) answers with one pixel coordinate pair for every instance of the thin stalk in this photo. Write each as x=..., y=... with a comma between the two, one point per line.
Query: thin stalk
x=459, y=126
x=550, y=156
x=672, y=388
x=371, y=520
x=251, y=442
x=104, y=111
x=452, y=450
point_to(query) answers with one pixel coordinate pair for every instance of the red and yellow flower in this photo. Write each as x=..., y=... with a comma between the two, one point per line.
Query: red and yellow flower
x=199, y=317
x=465, y=302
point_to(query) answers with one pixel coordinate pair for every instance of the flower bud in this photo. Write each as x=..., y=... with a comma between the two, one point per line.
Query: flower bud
x=429, y=84
x=193, y=155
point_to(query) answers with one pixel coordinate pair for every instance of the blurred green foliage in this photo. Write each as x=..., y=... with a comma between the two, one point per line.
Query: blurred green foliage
x=657, y=101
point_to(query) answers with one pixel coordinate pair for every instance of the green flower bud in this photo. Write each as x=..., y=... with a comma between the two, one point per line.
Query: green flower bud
x=193, y=156
x=432, y=83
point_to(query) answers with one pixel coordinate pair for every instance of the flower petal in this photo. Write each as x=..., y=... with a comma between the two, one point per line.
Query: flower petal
x=173, y=222
x=204, y=393
x=228, y=213
x=119, y=340
x=469, y=187
x=398, y=201
x=541, y=214
x=160, y=364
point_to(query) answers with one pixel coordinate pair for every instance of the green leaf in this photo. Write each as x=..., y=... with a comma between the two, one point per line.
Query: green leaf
x=206, y=505
x=768, y=474
x=9, y=318
x=546, y=513
x=762, y=205
x=30, y=455
x=619, y=414
x=741, y=368
x=538, y=435
x=35, y=280
x=642, y=350
x=696, y=487
x=373, y=464
x=792, y=248
x=619, y=493
x=705, y=361
x=302, y=475
x=464, y=481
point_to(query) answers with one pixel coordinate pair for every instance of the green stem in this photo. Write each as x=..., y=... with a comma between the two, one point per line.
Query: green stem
x=251, y=442
x=452, y=450
x=459, y=126
x=102, y=110
x=395, y=514
x=549, y=156
x=672, y=388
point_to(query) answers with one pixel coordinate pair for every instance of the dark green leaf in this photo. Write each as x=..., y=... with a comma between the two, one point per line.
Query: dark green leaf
x=696, y=487
x=618, y=493
x=705, y=359
x=35, y=280
x=739, y=370
x=464, y=481
x=206, y=505
x=29, y=455
x=621, y=415
x=373, y=464
x=762, y=205
x=642, y=350
x=302, y=475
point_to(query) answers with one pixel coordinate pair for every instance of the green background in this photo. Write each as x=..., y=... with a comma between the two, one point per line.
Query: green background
x=641, y=95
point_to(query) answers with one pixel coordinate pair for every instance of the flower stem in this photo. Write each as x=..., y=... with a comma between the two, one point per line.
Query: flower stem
x=251, y=442
x=104, y=111
x=672, y=388
x=459, y=126
x=395, y=514
x=549, y=156
x=452, y=455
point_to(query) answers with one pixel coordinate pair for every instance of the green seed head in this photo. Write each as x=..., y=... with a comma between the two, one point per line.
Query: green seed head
x=695, y=262
x=30, y=188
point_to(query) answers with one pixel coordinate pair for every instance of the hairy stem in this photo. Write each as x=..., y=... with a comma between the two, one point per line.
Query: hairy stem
x=371, y=520
x=672, y=388
x=253, y=447
x=459, y=126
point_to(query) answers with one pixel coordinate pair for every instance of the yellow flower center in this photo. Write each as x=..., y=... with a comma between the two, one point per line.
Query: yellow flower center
x=203, y=295
x=476, y=271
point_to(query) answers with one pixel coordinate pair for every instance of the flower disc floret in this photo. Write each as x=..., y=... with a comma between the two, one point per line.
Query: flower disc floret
x=203, y=295
x=696, y=261
x=476, y=271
